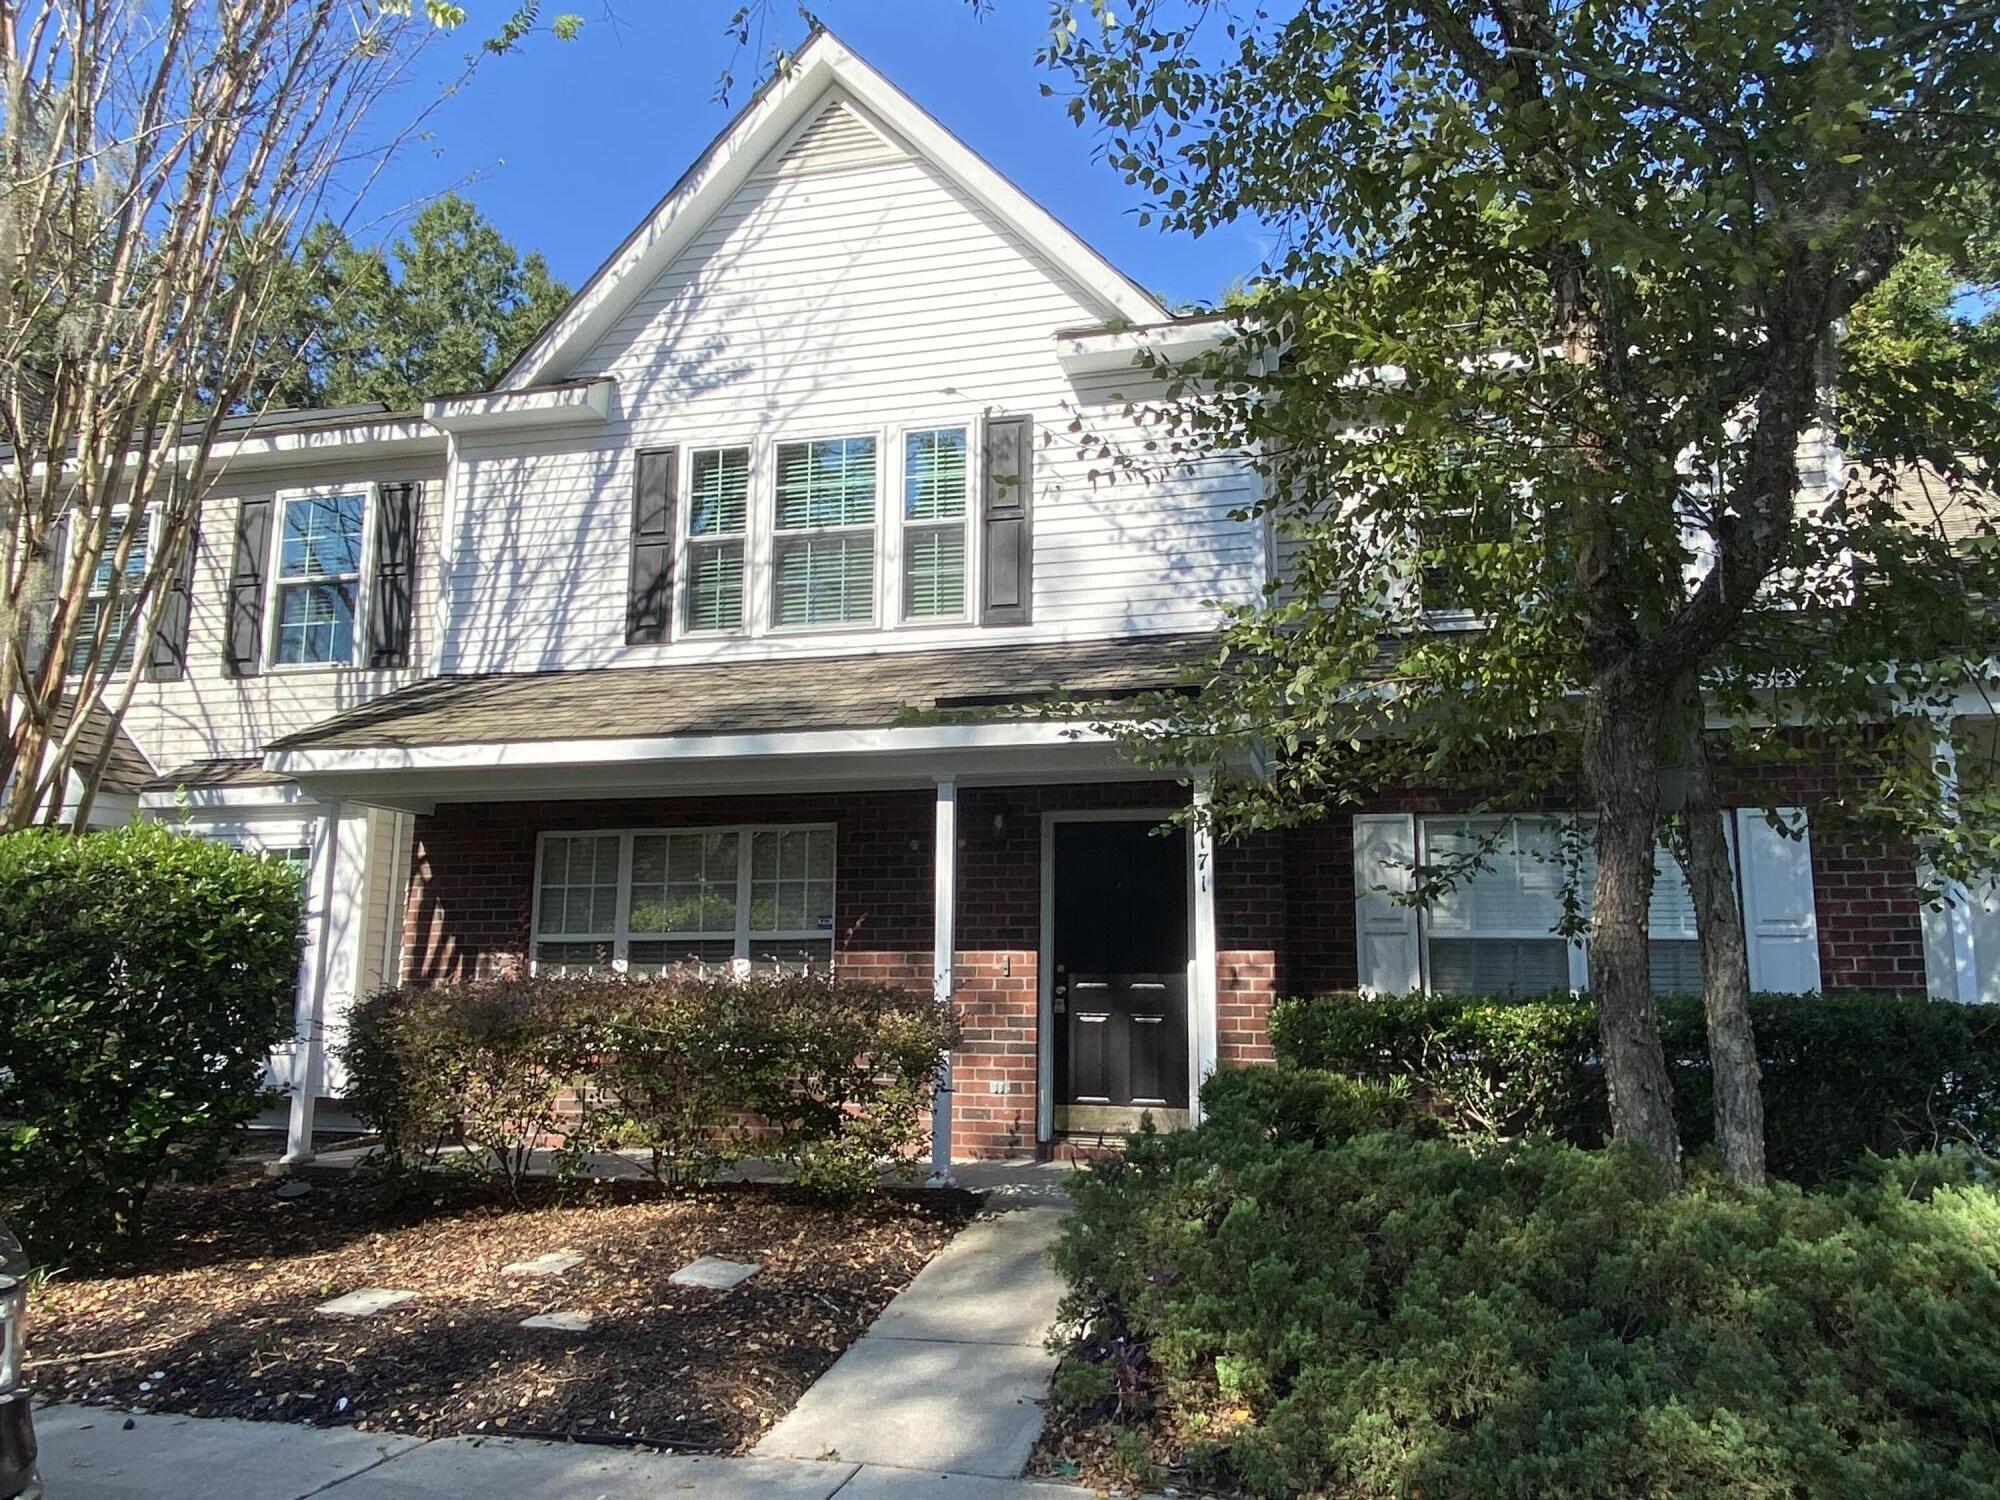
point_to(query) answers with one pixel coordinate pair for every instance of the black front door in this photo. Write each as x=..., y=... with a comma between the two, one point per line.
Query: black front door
x=1121, y=950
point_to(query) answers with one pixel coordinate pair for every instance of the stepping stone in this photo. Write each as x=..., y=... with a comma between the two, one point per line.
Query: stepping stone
x=559, y=1322
x=365, y=1303
x=554, y=1263
x=715, y=1273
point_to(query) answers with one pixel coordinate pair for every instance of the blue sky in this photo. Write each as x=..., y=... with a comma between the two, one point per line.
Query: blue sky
x=567, y=146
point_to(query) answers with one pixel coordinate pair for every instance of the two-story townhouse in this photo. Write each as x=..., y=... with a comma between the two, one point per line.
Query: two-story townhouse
x=701, y=636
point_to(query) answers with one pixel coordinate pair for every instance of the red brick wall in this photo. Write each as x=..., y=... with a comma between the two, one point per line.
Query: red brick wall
x=1299, y=908
x=471, y=902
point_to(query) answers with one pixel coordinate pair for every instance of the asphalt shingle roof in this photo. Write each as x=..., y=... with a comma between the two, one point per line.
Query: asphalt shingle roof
x=783, y=694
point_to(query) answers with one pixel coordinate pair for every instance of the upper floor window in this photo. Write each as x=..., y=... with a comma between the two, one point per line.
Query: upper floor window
x=823, y=559
x=317, y=581
x=832, y=533
x=718, y=522
x=122, y=639
x=934, y=499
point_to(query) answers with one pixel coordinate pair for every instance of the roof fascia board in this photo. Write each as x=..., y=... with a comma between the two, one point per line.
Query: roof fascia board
x=418, y=791
x=306, y=445
x=526, y=754
x=578, y=403
x=729, y=160
x=1125, y=348
x=321, y=443
x=238, y=798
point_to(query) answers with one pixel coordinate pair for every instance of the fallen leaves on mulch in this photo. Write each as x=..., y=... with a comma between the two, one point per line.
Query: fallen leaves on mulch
x=217, y=1317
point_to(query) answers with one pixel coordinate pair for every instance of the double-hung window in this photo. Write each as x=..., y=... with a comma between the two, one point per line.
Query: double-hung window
x=1496, y=931
x=823, y=551
x=649, y=899
x=122, y=638
x=935, y=478
x=718, y=518
x=317, y=580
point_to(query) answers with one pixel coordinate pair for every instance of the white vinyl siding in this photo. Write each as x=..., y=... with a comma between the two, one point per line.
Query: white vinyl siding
x=316, y=581
x=718, y=512
x=936, y=477
x=876, y=298
x=643, y=900
x=123, y=640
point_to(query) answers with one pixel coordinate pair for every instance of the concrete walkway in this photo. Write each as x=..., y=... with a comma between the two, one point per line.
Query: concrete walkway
x=951, y=1376
x=89, y=1454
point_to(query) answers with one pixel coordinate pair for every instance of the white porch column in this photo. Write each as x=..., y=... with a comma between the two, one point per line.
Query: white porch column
x=944, y=947
x=330, y=963
x=308, y=1053
x=1202, y=989
x=1951, y=949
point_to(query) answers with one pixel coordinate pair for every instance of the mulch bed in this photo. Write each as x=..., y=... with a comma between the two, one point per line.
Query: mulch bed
x=217, y=1317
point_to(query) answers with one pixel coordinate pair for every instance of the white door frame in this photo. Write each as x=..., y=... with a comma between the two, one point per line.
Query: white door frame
x=1200, y=935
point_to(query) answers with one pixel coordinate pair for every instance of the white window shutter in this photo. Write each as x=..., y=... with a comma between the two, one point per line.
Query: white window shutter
x=1385, y=929
x=1779, y=922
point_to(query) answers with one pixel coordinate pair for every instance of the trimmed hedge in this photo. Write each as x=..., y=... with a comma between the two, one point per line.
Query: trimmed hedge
x=1285, y=1306
x=145, y=976
x=1843, y=1075
x=831, y=1076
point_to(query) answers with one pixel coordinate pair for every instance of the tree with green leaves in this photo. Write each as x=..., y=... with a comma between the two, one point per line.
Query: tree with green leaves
x=446, y=307
x=1539, y=382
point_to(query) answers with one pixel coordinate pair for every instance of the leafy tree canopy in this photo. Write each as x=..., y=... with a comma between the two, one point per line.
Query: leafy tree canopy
x=445, y=307
x=1540, y=386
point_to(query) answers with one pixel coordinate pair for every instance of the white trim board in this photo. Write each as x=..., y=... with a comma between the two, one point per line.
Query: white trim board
x=523, y=754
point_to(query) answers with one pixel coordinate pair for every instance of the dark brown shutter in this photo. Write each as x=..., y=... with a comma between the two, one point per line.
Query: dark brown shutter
x=243, y=617
x=650, y=602
x=42, y=607
x=166, y=659
x=1006, y=519
x=392, y=589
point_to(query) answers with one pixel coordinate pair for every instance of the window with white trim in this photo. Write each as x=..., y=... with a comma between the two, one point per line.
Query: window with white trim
x=123, y=640
x=644, y=900
x=718, y=513
x=823, y=550
x=1496, y=931
x=316, y=584
x=935, y=479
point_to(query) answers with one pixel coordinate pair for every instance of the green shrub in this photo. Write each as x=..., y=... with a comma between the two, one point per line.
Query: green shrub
x=488, y=1068
x=145, y=976
x=1291, y=1105
x=1843, y=1075
x=1389, y=1315
x=831, y=1076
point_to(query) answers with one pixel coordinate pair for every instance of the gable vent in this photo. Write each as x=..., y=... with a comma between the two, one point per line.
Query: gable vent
x=837, y=138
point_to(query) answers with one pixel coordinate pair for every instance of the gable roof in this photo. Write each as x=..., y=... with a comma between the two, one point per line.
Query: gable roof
x=785, y=105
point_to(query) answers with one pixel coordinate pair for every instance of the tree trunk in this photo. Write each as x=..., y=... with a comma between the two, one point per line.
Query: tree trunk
x=1621, y=754
x=1725, y=962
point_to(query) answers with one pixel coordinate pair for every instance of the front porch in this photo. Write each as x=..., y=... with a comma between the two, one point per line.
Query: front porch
x=1102, y=962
